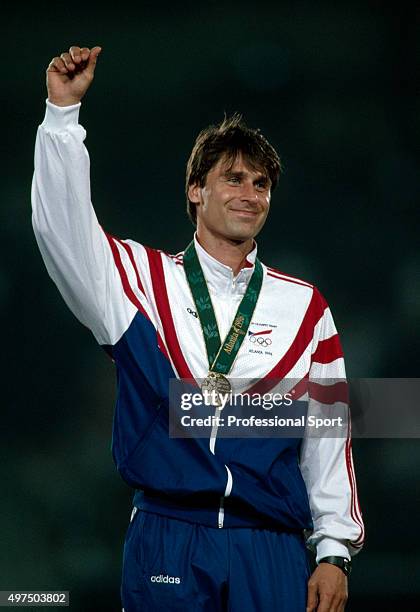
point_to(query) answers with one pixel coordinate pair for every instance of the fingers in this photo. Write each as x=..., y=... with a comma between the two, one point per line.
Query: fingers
x=79, y=54
x=57, y=65
x=85, y=52
x=331, y=602
x=93, y=56
x=68, y=62
x=76, y=59
x=63, y=64
x=312, y=601
x=326, y=604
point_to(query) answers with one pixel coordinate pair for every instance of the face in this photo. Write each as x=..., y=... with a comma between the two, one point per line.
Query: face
x=234, y=202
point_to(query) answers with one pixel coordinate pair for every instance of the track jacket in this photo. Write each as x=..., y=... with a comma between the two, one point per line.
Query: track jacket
x=138, y=305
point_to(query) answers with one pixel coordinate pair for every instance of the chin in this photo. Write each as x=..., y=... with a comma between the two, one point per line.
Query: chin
x=242, y=232
x=240, y=236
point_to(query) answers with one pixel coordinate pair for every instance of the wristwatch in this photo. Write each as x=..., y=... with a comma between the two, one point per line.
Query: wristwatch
x=341, y=562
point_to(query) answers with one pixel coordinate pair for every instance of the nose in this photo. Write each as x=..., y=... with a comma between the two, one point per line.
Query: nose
x=249, y=192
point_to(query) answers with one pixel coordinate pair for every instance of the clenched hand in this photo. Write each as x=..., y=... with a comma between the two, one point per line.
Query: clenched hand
x=70, y=75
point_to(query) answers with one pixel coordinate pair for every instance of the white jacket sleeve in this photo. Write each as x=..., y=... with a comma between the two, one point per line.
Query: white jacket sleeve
x=326, y=462
x=88, y=266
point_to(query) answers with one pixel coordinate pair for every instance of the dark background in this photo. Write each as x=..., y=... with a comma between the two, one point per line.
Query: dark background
x=333, y=87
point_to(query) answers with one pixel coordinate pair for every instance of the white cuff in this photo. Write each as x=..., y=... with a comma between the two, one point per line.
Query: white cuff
x=58, y=118
x=328, y=546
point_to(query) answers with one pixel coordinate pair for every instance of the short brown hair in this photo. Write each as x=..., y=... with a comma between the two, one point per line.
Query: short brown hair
x=229, y=138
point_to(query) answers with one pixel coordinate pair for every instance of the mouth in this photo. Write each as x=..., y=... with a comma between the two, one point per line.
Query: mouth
x=246, y=214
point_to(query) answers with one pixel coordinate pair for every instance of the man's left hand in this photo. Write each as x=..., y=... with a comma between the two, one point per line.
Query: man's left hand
x=327, y=589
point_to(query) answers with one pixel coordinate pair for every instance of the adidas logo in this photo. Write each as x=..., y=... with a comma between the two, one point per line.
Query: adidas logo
x=166, y=579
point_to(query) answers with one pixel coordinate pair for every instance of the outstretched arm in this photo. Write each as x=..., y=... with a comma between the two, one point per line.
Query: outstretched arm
x=85, y=263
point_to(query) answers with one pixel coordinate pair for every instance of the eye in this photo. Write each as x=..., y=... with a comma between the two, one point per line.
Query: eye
x=261, y=185
x=234, y=179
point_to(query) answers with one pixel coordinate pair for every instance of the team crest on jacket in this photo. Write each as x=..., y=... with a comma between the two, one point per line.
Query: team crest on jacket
x=260, y=340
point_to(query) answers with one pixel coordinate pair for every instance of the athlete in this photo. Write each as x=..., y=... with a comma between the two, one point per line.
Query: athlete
x=218, y=523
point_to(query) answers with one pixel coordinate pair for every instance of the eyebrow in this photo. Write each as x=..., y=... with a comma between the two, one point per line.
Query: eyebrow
x=239, y=174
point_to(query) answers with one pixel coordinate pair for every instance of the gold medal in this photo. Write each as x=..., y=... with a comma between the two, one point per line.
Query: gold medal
x=214, y=387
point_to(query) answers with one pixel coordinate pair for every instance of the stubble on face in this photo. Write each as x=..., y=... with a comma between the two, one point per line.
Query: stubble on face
x=234, y=201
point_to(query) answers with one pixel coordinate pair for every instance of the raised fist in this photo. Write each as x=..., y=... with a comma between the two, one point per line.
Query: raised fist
x=70, y=75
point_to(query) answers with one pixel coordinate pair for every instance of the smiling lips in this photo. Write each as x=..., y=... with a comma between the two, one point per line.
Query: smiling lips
x=245, y=212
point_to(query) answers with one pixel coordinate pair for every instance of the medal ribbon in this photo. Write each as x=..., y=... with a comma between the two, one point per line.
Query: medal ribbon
x=221, y=356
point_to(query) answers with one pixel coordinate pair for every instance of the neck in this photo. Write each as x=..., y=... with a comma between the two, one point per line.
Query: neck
x=231, y=253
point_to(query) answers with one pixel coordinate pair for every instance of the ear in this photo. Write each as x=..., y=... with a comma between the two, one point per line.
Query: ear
x=194, y=193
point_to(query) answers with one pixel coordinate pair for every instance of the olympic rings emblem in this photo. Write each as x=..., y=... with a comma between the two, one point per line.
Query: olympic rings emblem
x=260, y=340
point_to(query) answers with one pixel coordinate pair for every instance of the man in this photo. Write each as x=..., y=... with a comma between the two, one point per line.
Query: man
x=218, y=523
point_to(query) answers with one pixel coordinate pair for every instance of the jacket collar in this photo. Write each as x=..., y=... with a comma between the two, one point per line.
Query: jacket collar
x=219, y=277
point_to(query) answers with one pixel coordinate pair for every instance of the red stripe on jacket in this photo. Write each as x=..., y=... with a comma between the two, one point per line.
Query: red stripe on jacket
x=355, y=510
x=127, y=288
x=133, y=263
x=328, y=350
x=162, y=302
x=304, y=335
